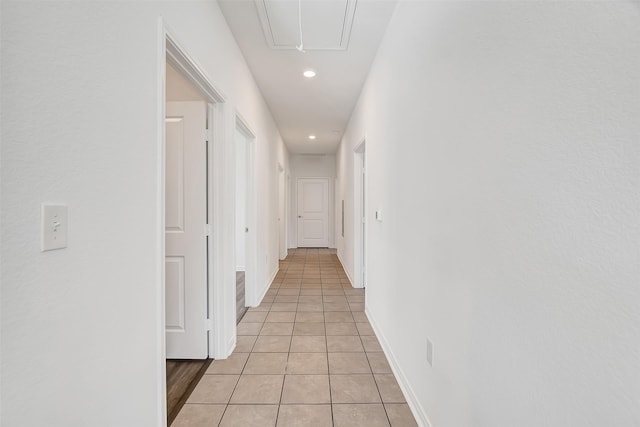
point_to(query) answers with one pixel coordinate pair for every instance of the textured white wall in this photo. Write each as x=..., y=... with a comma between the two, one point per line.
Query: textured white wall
x=503, y=147
x=312, y=166
x=81, y=342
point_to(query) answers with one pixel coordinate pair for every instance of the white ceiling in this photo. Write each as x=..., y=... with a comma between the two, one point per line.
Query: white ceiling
x=341, y=58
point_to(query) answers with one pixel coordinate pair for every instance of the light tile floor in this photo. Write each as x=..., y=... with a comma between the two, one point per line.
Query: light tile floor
x=307, y=356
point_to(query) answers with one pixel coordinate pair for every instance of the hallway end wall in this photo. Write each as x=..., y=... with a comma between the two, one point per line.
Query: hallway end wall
x=312, y=166
x=502, y=148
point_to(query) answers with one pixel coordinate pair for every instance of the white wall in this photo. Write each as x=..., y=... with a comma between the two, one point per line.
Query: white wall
x=81, y=339
x=311, y=166
x=503, y=148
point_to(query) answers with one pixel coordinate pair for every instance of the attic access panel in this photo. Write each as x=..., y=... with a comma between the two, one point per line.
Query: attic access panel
x=326, y=24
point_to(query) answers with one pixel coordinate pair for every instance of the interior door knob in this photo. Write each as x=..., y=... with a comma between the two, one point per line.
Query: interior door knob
x=299, y=216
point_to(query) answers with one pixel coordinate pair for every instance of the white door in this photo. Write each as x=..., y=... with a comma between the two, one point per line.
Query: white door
x=185, y=237
x=313, y=212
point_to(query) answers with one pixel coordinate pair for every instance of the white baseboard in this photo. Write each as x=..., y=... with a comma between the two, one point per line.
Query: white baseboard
x=271, y=279
x=346, y=271
x=412, y=400
x=231, y=345
x=266, y=288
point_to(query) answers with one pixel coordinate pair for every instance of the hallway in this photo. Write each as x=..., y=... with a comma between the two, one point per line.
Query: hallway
x=307, y=356
x=479, y=166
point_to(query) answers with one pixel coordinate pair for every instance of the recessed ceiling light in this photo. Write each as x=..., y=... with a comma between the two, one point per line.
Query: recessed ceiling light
x=309, y=73
x=312, y=137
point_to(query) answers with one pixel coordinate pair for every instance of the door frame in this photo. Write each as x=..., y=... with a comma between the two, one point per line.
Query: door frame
x=169, y=50
x=359, y=215
x=283, y=217
x=251, y=297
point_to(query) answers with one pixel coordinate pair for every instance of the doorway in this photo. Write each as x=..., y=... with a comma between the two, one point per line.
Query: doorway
x=191, y=109
x=360, y=209
x=244, y=143
x=242, y=228
x=313, y=212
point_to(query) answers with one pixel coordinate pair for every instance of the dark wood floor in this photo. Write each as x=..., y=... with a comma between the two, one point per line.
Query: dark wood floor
x=240, y=303
x=182, y=377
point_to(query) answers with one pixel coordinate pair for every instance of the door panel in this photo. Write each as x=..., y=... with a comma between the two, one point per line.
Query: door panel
x=313, y=229
x=312, y=200
x=174, y=175
x=313, y=212
x=185, y=240
x=175, y=293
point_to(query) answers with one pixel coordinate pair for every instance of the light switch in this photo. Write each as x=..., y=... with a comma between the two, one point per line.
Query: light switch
x=429, y=352
x=54, y=227
x=379, y=215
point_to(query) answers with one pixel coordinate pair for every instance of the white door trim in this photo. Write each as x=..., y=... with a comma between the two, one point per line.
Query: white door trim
x=177, y=57
x=169, y=50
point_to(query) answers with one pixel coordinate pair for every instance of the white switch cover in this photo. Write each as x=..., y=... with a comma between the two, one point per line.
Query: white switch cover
x=379, y=215
x=429, y=352
x=54, y=227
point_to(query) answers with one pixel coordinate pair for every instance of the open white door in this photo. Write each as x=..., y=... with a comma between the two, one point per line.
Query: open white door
x=313, y=212
x=185, y=237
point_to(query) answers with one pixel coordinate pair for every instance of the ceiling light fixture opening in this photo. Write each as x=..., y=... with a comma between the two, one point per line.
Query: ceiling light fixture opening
x=312, y=137
x=309, y=73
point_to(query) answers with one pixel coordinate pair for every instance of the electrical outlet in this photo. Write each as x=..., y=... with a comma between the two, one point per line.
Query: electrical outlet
x=429, y=352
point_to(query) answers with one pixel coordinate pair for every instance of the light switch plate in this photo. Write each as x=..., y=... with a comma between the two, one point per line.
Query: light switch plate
x=54, y=227
x=379, y=215
x=429, y=352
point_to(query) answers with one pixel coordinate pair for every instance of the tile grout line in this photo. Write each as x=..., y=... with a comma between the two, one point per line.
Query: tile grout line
x=244, y=365
x=323, y=289
x=326, y=342
x=286, y=365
